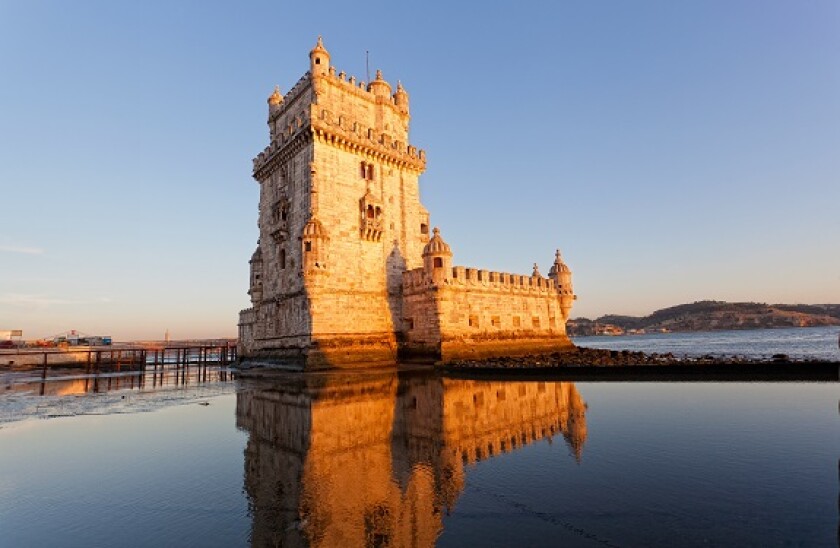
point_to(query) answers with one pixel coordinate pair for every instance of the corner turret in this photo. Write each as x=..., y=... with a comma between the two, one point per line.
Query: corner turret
x=562, y=276
x=380, y=87
x=437, y=258
x=314, y=237
x=275, y=99
x=401, y=98
x=319, y=59
x=275, y=103
x=256, y=263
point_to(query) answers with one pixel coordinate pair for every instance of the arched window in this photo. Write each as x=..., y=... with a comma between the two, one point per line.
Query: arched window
x=438, y=262
x=370, y=212
x=362, y=170
x=283, y=259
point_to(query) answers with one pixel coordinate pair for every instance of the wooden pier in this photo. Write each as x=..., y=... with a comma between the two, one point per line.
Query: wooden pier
x=157, y=357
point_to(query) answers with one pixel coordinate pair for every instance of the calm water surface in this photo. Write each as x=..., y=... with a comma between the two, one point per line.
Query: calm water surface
x=802, y=343
x=412, y=458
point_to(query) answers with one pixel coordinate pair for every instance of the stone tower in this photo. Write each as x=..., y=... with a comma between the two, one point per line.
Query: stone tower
x=340, y=220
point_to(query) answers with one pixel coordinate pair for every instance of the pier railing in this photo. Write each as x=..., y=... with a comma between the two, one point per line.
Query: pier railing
x=134, y=357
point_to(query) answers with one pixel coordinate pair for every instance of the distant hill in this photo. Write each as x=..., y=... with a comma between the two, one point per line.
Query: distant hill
x=710, y=316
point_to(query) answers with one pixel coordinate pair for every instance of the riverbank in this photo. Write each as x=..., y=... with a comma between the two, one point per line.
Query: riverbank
x=592, y=364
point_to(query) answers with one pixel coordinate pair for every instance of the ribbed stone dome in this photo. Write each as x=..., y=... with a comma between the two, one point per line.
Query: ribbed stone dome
x=559, y=266
x=436, y=245
x=314, y=229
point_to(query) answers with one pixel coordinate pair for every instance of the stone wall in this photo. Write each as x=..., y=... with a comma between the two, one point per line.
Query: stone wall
x=470, y=313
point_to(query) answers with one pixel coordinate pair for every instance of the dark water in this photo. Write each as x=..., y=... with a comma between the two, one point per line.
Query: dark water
x=814, y=342
x=416, y=459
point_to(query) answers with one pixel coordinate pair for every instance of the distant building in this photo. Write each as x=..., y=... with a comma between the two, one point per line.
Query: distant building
x=346, y=271
x=75, y=338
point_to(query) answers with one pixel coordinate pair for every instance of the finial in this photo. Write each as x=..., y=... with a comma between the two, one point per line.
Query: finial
x=399, y=86
x=536, y=270
x=435, y=232
x=378, y=74
x=319, y=47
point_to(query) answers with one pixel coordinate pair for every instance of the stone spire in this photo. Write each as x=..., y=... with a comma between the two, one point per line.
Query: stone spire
x=536, y=273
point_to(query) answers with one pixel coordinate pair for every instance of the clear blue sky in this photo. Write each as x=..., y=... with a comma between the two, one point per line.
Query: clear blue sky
x=674, y=151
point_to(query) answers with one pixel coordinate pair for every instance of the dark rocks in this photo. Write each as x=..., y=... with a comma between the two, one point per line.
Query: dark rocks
x=595, y=357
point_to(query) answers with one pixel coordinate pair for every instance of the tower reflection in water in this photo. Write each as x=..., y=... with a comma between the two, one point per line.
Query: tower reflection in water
x=375, y=460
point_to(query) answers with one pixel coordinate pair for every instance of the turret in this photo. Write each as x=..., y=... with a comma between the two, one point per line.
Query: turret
x=274, y=101
x=562, y=276
x=319, y=59
x=256, y=263
x=314, y=237
x=401, y=98
x=437, y=258
x=380, y=87
x=313, y=241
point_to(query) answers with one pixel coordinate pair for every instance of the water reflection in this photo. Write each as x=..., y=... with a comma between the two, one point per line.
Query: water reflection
x=348, y=460
x=94, y=384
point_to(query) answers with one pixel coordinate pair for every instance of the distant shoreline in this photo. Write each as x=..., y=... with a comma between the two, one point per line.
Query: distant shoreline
x=709, y=316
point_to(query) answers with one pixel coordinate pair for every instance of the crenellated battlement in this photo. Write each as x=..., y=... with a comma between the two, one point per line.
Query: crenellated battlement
x=289, y=120
x=360, y=89
x=475, y=278
x=345, y=133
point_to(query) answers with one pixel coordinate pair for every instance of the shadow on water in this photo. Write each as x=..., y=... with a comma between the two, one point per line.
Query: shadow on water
x=378, y=459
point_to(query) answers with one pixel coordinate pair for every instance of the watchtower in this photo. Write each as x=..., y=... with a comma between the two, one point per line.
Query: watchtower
x=340, y=220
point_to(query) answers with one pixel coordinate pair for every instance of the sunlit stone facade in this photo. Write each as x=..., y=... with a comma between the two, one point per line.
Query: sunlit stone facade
x=345, y=271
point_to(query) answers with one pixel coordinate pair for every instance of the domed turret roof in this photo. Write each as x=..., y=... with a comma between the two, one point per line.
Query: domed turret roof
x=319, y=48
x=436, y=245
x=275, y=98
x=314, y=229
x=559, y=266
x=379, y=86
